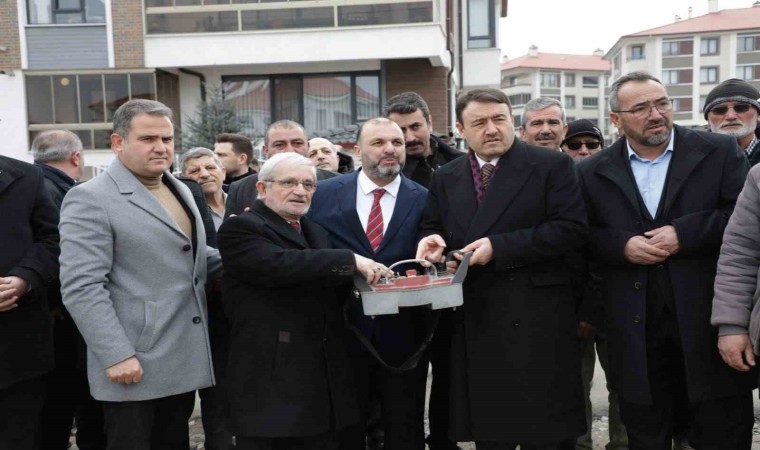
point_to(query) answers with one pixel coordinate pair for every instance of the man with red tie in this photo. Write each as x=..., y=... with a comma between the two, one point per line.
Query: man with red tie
x=375, y=212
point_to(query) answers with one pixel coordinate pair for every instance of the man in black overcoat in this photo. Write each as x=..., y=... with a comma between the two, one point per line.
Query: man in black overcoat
x=515, y=360
x=658, y=201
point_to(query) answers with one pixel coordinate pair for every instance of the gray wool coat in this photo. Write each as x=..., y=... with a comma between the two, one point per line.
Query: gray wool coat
x=133, y=286
x=735, y=308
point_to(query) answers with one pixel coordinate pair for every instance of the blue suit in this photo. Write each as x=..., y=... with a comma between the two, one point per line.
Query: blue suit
x=395, y=337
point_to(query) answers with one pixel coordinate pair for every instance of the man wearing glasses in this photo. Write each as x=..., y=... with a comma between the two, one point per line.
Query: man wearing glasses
x=658, y=201
x=582, y=140
x=733, y=108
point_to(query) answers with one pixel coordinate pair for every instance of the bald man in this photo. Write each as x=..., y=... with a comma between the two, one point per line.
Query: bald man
x=323, y=154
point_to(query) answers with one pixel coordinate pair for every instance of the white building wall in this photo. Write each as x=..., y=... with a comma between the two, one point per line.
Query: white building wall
x=481, y=68
x=13, y=134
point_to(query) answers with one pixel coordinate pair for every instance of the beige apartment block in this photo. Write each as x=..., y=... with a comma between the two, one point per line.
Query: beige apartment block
x=578, y=81
x=692, y=55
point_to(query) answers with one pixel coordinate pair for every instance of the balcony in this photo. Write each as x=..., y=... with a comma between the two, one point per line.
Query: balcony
x=188, y=33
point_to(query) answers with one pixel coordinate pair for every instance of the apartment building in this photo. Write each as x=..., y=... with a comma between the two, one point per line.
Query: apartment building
x=691, y=56
x=578, y=81
x=327, y=64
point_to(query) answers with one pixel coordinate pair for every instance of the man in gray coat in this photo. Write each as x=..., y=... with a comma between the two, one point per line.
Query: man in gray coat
x=134, y=261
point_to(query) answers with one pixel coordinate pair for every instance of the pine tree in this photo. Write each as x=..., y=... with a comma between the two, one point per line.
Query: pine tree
x=211, y=117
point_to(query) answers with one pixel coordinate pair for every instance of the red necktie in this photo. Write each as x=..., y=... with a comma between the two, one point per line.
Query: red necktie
x=296, y=226
x=375, y=222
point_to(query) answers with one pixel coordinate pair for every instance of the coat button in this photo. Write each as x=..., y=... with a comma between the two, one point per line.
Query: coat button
x=637, y=285
x=660, y=266
x=516, y=323
x=196, y=319
x=334, y=269
x=195, y=281
x=511, y=278
x=186, y=248
x=636, y=319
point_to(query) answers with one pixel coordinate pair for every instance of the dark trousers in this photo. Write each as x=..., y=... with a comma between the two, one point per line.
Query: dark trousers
x=66, y=392
x=159, y=424
x=723, y=423
x=325, y=441
x=215, y=410
x=20, y=411
x=398, y=402
x=564, y=445
x=439, y=357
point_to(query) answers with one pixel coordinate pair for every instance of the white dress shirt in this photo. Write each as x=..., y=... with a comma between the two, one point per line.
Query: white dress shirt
x=365, y=197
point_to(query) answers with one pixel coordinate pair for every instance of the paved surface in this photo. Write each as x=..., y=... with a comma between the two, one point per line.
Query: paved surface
x=599, y=427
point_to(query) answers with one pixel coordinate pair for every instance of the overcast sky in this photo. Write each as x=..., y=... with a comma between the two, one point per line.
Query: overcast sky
x=582, y=26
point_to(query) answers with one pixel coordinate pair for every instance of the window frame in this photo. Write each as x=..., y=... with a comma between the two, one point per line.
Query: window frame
x=708, y=41
x=715, y=70
x=633, y=56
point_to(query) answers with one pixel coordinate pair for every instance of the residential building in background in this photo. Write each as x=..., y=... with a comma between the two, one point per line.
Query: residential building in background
x=578, y=81
x=691, y=56
x=70, y=64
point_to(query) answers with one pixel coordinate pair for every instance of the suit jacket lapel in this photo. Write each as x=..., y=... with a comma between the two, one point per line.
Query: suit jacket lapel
x=688, y=152
x=514, y=171
x=278, y=224
x=139, y=195
x=347, y=204
x=461, y=189
x=404, y=202
x=616, y=169
x=8, y=175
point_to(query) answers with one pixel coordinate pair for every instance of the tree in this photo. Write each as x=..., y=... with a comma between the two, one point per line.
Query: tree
x=211, y=117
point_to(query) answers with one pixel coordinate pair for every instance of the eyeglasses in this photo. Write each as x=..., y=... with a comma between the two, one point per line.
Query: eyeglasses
x=589, y=145
x=641, y=111
x=291, y=183
x=738, y=108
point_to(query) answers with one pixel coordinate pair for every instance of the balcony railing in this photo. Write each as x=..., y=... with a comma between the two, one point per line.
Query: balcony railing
x=214, y=16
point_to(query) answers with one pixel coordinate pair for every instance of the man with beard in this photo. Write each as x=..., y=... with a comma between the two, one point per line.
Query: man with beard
x=425, y=152
x=544, y=123
x=658, y=201
x=733, y=109
x=375, y=212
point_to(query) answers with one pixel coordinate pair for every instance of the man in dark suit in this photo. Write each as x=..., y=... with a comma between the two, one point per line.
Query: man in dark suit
x=514, y=344
x=376, y=213
x=658, y=201
x=281, y=137
x=290, y=380
x=426, y=153
x=28, y=267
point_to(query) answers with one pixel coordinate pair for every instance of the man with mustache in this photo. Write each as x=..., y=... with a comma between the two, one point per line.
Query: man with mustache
x=425, y=152
x=544, y=123
x=658, y=201
x=733, y=108
x=376, y=212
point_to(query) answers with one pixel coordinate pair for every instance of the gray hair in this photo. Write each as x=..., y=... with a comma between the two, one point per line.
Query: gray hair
x=122, y=118
x=55, y=145
x=637, y=76
x=540, y=104
x=406, y=103
x=270, y=166
x=199, y=152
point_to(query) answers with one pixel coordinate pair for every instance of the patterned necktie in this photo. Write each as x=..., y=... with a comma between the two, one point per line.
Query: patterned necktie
x=375, y=222
x=486, y=172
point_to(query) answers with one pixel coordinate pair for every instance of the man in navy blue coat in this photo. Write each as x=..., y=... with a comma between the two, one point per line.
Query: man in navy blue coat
x=376, y=213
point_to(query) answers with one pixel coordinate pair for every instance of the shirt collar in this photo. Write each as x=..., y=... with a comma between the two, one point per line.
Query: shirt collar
x=669, y=148
x=482, y=162
x=367, y=185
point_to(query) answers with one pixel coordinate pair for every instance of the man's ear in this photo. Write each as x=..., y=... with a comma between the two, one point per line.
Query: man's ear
x=117, y=143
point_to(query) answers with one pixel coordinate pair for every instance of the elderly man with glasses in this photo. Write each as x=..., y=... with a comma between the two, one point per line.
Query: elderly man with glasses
x=658, y=201
x=733, y=109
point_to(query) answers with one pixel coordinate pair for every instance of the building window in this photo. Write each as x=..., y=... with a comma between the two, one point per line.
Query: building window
x=569, y=119
x=519, y=99
x=746, y=43
x=682, y=104
x=45, y=12
x=708, y=75
x=319, y=102
x=83, y=103
x=637, y=52
x=590, y=102
x=748, y=72
x=702, y=101
x=549, y=79
x=677, y=48
x=481, y=28
x=677, y=76
x=517, y=119
x=569, y=101
x=709, y=46
x=590, y=81
x=569, y=80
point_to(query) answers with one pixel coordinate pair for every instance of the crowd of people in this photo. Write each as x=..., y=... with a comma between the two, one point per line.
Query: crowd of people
x=123, y=296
